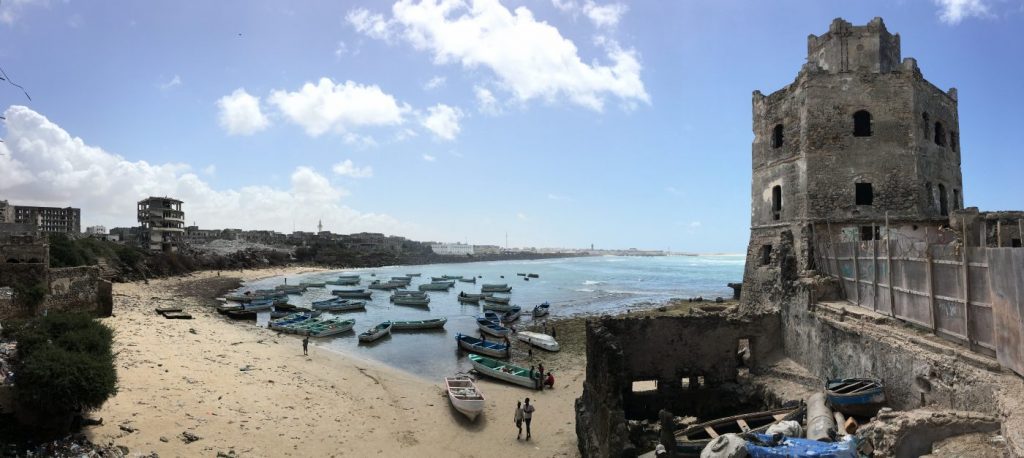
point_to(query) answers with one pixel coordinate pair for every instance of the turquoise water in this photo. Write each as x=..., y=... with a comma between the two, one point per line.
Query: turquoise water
x=573, y=286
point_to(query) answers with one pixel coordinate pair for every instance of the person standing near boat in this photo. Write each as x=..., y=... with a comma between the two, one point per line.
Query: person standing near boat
x=540, y=376
x=519, y=418
x=305, y=345
x=528, y=416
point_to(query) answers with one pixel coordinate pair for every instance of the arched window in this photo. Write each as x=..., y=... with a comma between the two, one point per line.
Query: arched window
x=862, y=124
x=777, y=202
x=777, y=136
x=940, y=134
x=943, y=203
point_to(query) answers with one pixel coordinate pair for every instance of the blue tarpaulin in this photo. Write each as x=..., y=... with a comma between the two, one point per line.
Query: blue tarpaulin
x=765, y=446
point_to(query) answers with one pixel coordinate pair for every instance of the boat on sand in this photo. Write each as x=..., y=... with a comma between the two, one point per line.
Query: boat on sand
x=465, y=396
x=502, y=371
x=376, y=332
x=538, y=340
x=484, y=347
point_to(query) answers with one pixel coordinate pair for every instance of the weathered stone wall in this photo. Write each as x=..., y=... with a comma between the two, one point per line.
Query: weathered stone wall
x=74, y=289
x=601, y=428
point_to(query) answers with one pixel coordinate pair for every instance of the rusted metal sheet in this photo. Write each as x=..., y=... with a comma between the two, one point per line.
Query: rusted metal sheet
x=1006, y=280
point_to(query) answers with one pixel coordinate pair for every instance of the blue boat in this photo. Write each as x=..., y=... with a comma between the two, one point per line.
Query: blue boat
x=492, y=328
x=765, y=446
x=860, y=397
x=491, y=316
x=475, y=345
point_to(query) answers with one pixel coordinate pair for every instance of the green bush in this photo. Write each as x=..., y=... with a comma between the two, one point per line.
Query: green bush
x=30, y=296
x=65, y=364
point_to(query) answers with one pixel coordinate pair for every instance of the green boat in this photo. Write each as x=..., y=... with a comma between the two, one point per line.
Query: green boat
x=502, y=371
x=419, y=324
x=313, y=284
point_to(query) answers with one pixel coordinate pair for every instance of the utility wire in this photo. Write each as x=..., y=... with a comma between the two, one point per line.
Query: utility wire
x=8, y=79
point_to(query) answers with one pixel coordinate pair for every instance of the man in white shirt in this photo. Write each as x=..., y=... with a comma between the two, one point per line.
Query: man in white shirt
x=528, y=415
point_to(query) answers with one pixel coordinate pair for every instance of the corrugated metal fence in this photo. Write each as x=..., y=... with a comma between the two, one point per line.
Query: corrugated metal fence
x=970, y=295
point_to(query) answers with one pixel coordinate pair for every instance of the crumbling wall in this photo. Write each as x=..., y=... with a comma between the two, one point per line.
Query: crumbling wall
x=74, y=289
x=601, y=428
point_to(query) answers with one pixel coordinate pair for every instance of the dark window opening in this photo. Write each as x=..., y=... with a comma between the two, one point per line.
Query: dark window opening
x=943, y=204
x=862, y=124
x=766, y=255
x=956, y=199
x=940, y=134
x=954, y=140
x=1015, y=243
x=868, y=233
x=929, y=194
x=927, y=124
x=865, y=194
x=777, y=136
x=777, y=202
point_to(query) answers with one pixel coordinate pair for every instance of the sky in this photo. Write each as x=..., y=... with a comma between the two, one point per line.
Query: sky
x=561, y=123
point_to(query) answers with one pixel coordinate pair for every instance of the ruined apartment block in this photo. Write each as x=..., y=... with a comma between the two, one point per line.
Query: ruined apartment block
x=49, y=220
x=162, y=222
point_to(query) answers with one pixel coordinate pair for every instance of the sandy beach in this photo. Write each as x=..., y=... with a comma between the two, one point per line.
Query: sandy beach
x=247, y=390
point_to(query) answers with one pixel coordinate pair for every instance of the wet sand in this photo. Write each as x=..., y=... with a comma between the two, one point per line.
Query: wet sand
x=250, y=390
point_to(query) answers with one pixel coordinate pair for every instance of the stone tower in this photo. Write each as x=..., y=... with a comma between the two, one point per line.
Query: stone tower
x=859, y=138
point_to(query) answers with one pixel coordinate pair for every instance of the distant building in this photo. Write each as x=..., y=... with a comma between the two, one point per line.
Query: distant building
x=163, y=223
x=51, y=220
x=194, y=235
x=370, y=242
x=6, y=212
x=96, y=230
x=452, y=249
x=486, y=249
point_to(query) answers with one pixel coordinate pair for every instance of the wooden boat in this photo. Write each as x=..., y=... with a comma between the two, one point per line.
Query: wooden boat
x=493, y=317
x=532, y=276
x=291, y=318
x=468, y=299
x=344, y=281
x=477, y=297
x=224, y=309
x=419, y=324
x=691, y=440
x=315, y=327
x=258, y=306
x=342, y=305
x=163, y=310
x=250, y=296
x=402, y=292
x=376, y=332
x=451, y=277
x=353, y=295
x=541, y=310
x=241, y=314
x=538, y=340
x=313, y=284
x=412, y=275
x=512, y=314
x=521, y=274
x=377, y=284
x=468, y=280
x=498, y=299
x=438, y=279
x=489, y=327
x=496, y=288
x=465, y=396
x=488, y=305
x=410, y=300
x=444, y=282
x=177, y=316
x=434, y=287
x=484, y=347
x=502, y=371
x=861, y=397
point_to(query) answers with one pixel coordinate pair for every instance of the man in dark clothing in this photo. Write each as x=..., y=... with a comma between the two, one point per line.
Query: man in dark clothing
x=305, y=345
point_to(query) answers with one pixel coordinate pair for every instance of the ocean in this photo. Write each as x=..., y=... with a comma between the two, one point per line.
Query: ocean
x=573, y=286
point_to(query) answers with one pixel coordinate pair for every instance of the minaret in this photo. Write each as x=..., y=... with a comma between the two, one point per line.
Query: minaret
x=320, y=226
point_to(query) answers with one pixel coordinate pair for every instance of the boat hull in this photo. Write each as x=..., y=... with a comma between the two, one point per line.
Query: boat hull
x=465, y=396
x=493, y=329
x=542, y=341
x=856, y=396
x=488, y=305
x=422, y=324
x=517, y=376
x=474, y=345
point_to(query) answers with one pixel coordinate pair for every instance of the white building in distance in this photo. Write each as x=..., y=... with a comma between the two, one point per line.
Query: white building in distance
x=452, y=249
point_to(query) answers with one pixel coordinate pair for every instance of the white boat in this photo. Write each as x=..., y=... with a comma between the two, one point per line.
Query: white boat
x=541, y=310
x=465, y=396
x=498, y=307
x=538, y=340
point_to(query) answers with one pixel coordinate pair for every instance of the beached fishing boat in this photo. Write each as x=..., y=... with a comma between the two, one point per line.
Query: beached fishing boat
x=860, y=397
x=241, y=314
x=353, y=294
x=488, y=305
x=376, y=332
x=485, y=347
x=690, y=441
x=316, y=327
x=496, y=288
x=538, y=340
x=410, y=300
x=251, y=296
x=258, y=305
x=224, y=309
x=291, y=318
x=492, y=328
x=313, y=284
x=498, y=299
x=434, y=287
x=493, y=317
x=465, y=396
x=432, y=323
x=468, y=280
x=512, y=314
x=502, y=371
x=541, y=310
x=404, y=292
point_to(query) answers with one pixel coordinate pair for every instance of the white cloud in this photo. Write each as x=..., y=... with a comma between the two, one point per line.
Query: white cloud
x=443, y=121
x=240, y=113
x=11, y=9
x=360, y=141
x=559, y=197
x=373, y=25
x=566, y=6
x=349, y=169
x=327, y=106
x=485, y=101
x=176, y=81
x=531, y=59
x=954, y=11
x=429, y=158
x=341, y=49
x=604, y=15
x=42, y=164
x=434, y=83
x=210, y=169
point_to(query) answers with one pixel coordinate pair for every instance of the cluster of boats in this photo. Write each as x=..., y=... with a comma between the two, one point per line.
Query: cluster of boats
x=306, y=323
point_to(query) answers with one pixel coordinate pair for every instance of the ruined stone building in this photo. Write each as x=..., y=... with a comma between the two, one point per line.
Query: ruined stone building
x=862, y=262
x=50, y=220
x=162, y=222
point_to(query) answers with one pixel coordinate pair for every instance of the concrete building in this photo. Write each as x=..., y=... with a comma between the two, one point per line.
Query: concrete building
x=6, y=212
x=51, y=220
x=487, y=249
x=859, y=142
x=162, y=222
x=452, y=249
x=96, y=230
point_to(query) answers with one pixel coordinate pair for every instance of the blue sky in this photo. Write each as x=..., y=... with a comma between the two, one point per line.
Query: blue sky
x=562, y=123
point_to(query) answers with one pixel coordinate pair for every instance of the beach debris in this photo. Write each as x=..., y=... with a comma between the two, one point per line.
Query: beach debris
x=192, y=330
x=188, y=437
x=127, y=427
x=164, y=439
x=247, y=368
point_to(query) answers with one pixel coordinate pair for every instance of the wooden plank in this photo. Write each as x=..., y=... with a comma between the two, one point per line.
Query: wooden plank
x=856, y=273
x=779, y=416
x=1006, y=282
x=711, y=432
x=874, y=269
x=743, y=424
x=968, y=318
x=931, y=286
x=832, y=248
x=888, y=267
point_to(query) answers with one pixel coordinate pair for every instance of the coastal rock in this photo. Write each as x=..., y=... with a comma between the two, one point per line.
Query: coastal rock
x=188, y=437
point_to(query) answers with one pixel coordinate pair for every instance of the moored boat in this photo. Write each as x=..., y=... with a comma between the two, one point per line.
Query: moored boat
x=488, y=305
x=313, y=284
x=465, y=396
x=496, y=288
x=403, y=292
x=344, y=281
x=258, y=305
x=468, y=280
x=468, y=299
x=451, y=277
x=353, y=294
x=377, y=284
x=489, y=327
x=498, y=299
x=410, y=300
x=468, y=296
x=434, y=287
x=861, y=397
x=512, y=314
x=316, y=327
x=419, y=324
x=502, y=371
x=533, y=276
x=690, y=441
x=484, y=347
x=538, y=340
x=376, y=332
x=541, y=310
x=339, y=305
x=438, y=279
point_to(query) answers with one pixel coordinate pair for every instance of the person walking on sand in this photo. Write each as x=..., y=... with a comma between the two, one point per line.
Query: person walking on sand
x=519, y=418
x=528, y=416
x=305, y=345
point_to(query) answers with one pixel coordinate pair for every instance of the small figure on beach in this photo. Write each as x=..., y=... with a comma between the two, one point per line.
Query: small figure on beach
x=528, y=416
x=305, y=345
x=553, y=332
x=550, y=381
x=519, y=418
x=539, y=381
x=532, y=371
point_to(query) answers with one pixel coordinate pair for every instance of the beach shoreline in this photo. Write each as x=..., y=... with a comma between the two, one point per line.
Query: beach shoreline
x=247, y=389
